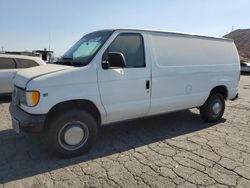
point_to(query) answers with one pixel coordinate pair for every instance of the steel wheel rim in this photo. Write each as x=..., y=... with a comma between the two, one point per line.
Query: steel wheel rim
x=216, y=108
x=73, y=135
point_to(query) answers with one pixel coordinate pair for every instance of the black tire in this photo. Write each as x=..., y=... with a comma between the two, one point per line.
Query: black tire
x=59, y=127
x=208, y=111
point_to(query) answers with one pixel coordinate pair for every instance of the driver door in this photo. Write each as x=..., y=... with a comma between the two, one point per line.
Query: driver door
x=125, y=92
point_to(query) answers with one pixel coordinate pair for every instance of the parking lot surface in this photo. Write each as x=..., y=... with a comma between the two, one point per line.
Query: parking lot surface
x=172, y=150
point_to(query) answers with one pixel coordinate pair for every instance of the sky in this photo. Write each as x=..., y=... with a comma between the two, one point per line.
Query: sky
x=38, y=24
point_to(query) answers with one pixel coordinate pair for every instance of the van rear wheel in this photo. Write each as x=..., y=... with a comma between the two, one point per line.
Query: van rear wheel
x=72, y=133
x=213, y=109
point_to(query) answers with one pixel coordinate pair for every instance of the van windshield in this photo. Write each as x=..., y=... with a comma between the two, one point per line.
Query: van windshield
x=81, y=53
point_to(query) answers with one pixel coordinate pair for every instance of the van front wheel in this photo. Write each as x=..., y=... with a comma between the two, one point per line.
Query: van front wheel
x=213, y=109
x=72, y=133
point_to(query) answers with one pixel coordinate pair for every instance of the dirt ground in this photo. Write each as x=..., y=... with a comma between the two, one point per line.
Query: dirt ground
x=172, y=150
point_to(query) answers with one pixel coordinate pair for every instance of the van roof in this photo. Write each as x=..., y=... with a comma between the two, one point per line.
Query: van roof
x=173, y=32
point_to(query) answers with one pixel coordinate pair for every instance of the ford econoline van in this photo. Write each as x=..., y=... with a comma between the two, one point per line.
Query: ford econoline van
x=115, y=75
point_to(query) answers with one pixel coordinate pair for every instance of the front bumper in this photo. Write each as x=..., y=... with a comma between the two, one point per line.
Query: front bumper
x=23, y=121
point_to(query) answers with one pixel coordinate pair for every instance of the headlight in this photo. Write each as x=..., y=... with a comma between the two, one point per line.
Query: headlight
x=29, y=98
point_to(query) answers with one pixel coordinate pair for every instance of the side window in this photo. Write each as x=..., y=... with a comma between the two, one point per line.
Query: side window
x=26, y=63
x=132, y=47
x=7, y=63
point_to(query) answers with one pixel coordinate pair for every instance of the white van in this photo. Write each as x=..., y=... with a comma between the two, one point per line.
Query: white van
x=116, y=75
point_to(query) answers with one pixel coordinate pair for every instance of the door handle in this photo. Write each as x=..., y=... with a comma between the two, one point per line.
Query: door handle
x=147, y=84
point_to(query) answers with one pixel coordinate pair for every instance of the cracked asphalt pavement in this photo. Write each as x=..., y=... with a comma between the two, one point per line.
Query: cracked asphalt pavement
x=172, y=150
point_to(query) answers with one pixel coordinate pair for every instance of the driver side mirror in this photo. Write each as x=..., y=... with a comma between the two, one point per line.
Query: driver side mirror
x=115, y=59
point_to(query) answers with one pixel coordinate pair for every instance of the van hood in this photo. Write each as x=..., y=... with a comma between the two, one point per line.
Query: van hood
x=24, y=76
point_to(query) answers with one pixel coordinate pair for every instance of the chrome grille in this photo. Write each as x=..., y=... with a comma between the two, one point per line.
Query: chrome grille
x=15, y=95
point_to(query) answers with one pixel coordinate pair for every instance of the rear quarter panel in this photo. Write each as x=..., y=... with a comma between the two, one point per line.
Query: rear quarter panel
x=6, y=80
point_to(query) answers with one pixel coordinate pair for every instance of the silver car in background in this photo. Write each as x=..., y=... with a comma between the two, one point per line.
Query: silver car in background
x=245, y=67
x=9, y=65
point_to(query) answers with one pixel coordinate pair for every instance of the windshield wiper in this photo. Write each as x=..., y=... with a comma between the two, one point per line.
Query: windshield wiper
x=67, y=58
x=70, y=63
x=65, y=61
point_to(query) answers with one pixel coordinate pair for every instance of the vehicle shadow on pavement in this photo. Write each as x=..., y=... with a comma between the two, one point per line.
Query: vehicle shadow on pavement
x=23, y=156
x=5, y=99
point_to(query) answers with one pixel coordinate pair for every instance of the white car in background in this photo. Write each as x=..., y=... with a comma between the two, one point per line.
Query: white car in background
x=245, y=67
x=9, y=65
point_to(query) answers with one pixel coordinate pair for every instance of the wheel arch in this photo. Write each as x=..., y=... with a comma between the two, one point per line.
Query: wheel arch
x=222, y=89
x=86, y=105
